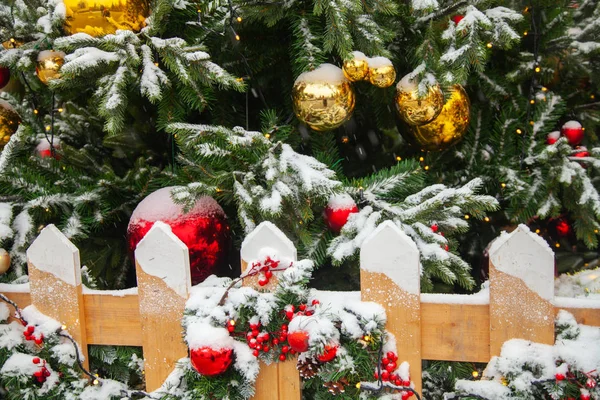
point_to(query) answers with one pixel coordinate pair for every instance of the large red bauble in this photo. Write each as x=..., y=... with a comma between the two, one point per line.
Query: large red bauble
x=210, y=362
x=338, y=210
x=457, y=18
x=574, y=132
x=204, y=229
x=4, y=76
x=298, y=341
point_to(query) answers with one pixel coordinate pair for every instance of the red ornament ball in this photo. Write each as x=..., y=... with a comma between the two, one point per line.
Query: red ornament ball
x=329, y=353
x=581, y=152
x=211, y=362
x=552, y=137
x=204, y=229
x=4, y=76
x=585, y=396
x=298, y=341
x=574, y=132
x=563, y=228
x=44, y=150
x=338, y=210
x=457, y=18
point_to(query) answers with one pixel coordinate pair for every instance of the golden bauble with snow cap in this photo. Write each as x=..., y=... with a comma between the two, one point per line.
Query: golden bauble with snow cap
x=415, y=109
x=9, y=122
x=48, y=65
x=4, y=261
x=356, y=67
x=381, y=72
x=449, y=127
x=101, y=17
x=323, y=98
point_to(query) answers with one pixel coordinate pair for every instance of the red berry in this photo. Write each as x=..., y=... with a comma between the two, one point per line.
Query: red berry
x=230, y=328
x=391, y=366
x=302, y=307
x=375, y=375
x=385, y=375
x=255, y=332
x=268, y=274
x=406, y=383
x=46, y=372
x=393, y=377
x=263, y=281
x=27, y=335
x=39, y=340
x=315, y=302
x=397, y=382
x=392, y=356
x=284, y=327
x=406, y=395
x=254, y=326
x=38, y=373
x=435, y=228
x=255, y=353
x=292, y=351
x=446, y=247
x=275, y=342
x=282, y=357
x=30, y=329
x=36, y=360
x=285, y=349
x=309, y=313
x=282, y=337
x=559, y=377
x=385, y=362
x=265, y=348
x=249, y=335
x=289, y=314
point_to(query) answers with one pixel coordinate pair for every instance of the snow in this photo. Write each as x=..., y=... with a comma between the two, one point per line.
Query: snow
x=407, y=84
x=44, y=54
x=115, y=293
x=266, y=234
x=11, y=335
x=43, y=323
x=14, y=288
x=44, y=144
x=390, y=251
x=526, y=256
x=162, y=254
x=5, y=217
x=572, y=125
x=378, y=62
x=201, y=334
x=4, y=311
x=583, y=284
x=554, y=135
x=328, y=73
x=420, y=5
x=341, y=201
x=106, y=389
x=21, y=365
x=52, y=252
x=358, y=55
x=159, y=206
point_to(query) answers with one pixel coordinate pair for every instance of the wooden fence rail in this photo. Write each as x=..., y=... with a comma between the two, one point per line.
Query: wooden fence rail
x=521, y=302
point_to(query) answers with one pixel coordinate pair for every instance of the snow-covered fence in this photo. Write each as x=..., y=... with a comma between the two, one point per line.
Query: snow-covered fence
x=520, y=301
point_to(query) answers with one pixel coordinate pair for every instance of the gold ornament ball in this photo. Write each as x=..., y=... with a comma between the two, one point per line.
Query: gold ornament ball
x=356, y=68
x=102, y=17
x=381, y=72
x=4, y=261
x=9, y=122
x=449, y=127
x=323, y=98
x=12, y=44
x=415, y=110
x=48, y=65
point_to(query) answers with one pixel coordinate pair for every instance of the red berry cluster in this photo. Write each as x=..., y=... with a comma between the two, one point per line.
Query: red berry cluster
x=264, y=269
x=303, y=309
x=43, y=373
x=29, y=334
x=388, y=366
x=435, y=228
x=264, y=341
x=570, y=376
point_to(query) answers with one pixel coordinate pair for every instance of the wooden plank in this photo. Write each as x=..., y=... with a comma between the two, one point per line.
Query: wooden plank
x=277, y=381
x=389, y=275
x=521, y=289
x=112, y=320
x=586, y=316
x=455, y=332
x=55, y=282
x=163, y=276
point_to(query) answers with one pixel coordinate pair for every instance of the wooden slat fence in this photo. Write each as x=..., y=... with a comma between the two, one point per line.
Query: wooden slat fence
x=521, y=300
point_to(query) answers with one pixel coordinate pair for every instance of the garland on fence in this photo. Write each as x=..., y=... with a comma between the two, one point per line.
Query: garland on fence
x=343, y=349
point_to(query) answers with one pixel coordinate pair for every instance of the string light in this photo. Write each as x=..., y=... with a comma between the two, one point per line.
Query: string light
x=398, y=158
x=48, y=127
x=64, y=327
x=345, y=139
x=96, y=382
x=537, y=69
x=525, y=33
x=544, y=89
x=35, y=111
x=519, y=131
x=532, y=101
x=532, y=123
x=421, y=159
x=268, y=135
x=239, y=19
x=475, y=374
x=426, y=168
x=487, y=219
x=358, y=385
x=557, y=245
x=592, y=96
x=537, y=231
x=467, y=216
x=60, y=110
x=503, y=185
x=489, y=45
x=237, y=37
x=595, y=230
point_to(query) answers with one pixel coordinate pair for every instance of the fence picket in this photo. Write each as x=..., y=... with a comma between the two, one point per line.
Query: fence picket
x=521, y=289
x=389, y=275
x=278, y=380
x=55, y=282
x=163, y=276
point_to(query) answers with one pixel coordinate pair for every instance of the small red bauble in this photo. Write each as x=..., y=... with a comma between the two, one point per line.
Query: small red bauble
x=4, y=76
x=36, y=360
x=210, y=362
x=582, y=152
x=298, y=341
x=44, y=150
x=435, y=228
x=329, y=354
x=338, y=210
x=574, y=132
x=282, y=357
x=563, y=228
x=552, y=137
x=585, y=396
x=204, y=229
x=457, y=18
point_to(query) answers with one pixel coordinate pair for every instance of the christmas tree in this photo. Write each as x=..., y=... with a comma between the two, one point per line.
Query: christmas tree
x=452, y=119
